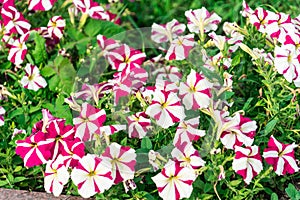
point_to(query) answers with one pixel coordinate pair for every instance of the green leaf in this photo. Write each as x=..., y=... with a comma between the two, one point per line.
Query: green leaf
x=16, y=112
x=107, y=28
x=274, y=196
x=39, y=53
x=207, y=187
x=292, y=192
x=236, y=60
x=2, y=183
x=18, y=168
x=247, y=104
x=146, y=143
x=53, y=83
x=270, y=126
x=235, y=183
x=48, y=71
x=19, y=179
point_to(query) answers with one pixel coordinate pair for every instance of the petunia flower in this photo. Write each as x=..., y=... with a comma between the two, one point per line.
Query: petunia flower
x=2, y=112
x=126, y=58
x=16, y=131
x=106, y=44
x=89, y=121
x=34, y=150
x=170, y=73
x=238, y=130
x=187, y=156
x=281, y=157
x=280, y=26
x=201, y=21
x=286, y=62
x=56, y=26
x=43, y=124
x=59, y=134
x=187, y=131
x=174, y=182
x=122, y=159
x=138, y=125
x=247, y=162
x=196, y=91
x=111, y=129
x=43, y=5
x=56, y=176
x=167, y=86
x=91, y=8
x=18, y=50
x=14, y=20
x=166, y=109
x=246, y=11
x=92, y=175
x=73, y=152
x=260, y=19
x=180, y=47
x=32, y=80
x=166, y=32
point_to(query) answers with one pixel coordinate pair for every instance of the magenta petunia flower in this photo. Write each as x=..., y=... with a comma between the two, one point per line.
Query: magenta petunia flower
x=56, y=26
x=202, y=21
x=125, y=58
x=122, y=159
x=166, y=32
x=166, y=109
x=59, y=134
x=89, y=121
x=180, y=47
x=43, y=5
x=32, y=80
x=281, y=157
x=138, y=125
x=174, y=181
x=237, y=131
x=34, y=150
x=196, y=91
x=14, y=20
x=247, y=162
x=56, y=176
x=92, y=175
x=18, y=50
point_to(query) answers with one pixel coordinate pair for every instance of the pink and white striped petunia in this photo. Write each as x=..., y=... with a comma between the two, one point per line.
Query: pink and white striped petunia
x=14, y=21
x=280, y=26
x=196, y=91
x=106, y=44
x=73, y=152
x=43, y=5
x=166, y=109
x=59, y=134
x=138, y=125
x=167, y=86
x=281, y=157
x=286, y=62
x=32, y=80
x=187, y=131
x=187, y=156
x=237, y=131
x=56, y=26
x=92, y=175
x=56, y=176
x=34, y=150
x=44, y=123
x=18, y=50
x=201, y=21
x=2, y=112
x=89, y=121
x=170, y=73
x=91, y=8
x=260, y=19
x=180, y=47
x=111, y=129
x=247, y=162
x=166, y=32
x=246, y=11
x=174, y=182
x=126, y=58
x=122, y=159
